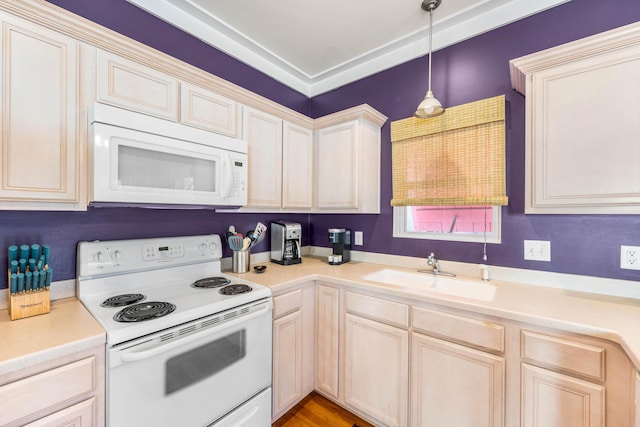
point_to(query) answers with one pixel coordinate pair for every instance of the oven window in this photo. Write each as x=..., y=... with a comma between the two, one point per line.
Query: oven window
x=138, y=167
x=204, y=361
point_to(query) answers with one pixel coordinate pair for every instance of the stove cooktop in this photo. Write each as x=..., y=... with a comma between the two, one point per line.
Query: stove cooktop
x=109, y=284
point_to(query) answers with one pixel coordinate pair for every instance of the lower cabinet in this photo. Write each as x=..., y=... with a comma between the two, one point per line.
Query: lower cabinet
x=458, y=370
x=637, y=423
x=574, y=381
x=327, y=340
x=453, y=385
x=79, y=415
x=376, y=369
x=293, y=345
x=64, y=392
x=376, y=358
x=553, y=399
x=423, y=365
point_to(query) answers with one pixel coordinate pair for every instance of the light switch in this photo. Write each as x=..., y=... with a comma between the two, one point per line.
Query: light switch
x=358, y=238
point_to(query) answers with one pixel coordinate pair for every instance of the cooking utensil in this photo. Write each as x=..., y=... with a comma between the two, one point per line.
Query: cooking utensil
x=245, y=243
x=260, y=228
x=235, y=243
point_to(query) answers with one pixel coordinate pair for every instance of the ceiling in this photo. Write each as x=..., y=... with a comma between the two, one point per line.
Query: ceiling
x=317, y=46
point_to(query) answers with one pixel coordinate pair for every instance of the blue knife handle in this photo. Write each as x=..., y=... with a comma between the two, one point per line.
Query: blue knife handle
x=13, y=280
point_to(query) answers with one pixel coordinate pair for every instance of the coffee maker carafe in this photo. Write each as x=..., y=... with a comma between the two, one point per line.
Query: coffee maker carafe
x=340, y=239
x=286, y=240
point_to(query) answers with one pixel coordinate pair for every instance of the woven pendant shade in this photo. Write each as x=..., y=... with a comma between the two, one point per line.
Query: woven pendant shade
x=452, y=160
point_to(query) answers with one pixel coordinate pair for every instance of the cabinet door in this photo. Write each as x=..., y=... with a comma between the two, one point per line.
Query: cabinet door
x=327, y=340
x=376, y=369
x=455, y=386
x=128, y=84
x=263, y=133
x=297, y=167
x=338, y=166
x=550, y=399
x=40, y=129
x=210, y=111
x=78, y=415
x=287, y=361
x=637, y=400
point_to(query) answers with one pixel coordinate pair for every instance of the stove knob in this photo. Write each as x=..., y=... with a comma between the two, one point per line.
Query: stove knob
x=98, y=257
x=213, y=246
x=203, y=247
x=115, y=255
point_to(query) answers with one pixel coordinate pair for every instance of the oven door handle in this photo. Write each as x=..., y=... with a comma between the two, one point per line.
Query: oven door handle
x=134, y=356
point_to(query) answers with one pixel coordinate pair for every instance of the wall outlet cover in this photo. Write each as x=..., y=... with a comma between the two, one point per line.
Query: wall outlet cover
x=537, y=250
x=630, y=257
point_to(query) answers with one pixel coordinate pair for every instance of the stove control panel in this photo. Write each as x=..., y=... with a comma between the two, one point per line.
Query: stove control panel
x=121, y=256
x=155, y=252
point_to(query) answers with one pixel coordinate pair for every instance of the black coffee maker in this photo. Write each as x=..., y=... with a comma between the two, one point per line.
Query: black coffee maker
x=340, y=239
x=286, y=240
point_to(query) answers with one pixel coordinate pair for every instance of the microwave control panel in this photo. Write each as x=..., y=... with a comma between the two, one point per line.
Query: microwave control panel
x=240, y=176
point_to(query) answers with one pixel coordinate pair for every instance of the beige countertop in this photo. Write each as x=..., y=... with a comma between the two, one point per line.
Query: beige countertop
x=68, y=328
x=612, y=318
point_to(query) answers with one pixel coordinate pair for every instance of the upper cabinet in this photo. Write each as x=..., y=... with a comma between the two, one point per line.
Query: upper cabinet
x=128, y=84
x=297, y=167
x=263, y=133
x=42, y=131
x=582, y=124
x=210, y=111
x=55, y=65
x=280, y=162
x=347, y=161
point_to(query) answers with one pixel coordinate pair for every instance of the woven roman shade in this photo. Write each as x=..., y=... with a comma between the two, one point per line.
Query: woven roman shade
x=452, y=160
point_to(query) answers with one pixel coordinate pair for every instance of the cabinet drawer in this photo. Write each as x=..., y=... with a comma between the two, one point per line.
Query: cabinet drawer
x=461, y=329
x=46, y=389
x=584, y=359
x=384, y=311
x=287, y=303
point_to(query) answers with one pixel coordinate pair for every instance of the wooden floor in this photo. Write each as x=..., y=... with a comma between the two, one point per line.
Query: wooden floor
x=315, y=410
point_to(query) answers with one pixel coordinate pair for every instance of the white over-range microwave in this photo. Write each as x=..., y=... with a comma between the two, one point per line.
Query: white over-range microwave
x=142, y=160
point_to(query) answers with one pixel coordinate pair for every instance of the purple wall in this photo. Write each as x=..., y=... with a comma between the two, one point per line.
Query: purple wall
x=465, y=72
x=469, y=71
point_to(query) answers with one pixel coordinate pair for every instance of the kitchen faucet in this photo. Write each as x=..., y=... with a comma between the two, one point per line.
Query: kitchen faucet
x=432, y=262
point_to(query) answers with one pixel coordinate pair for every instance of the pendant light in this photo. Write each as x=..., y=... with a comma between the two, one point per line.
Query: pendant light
x=430, y=106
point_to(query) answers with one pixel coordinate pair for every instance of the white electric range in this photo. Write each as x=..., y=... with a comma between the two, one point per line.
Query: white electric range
x=180, y=334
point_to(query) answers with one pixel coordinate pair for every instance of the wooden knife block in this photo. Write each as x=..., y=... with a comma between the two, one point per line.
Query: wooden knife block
x=29, y=303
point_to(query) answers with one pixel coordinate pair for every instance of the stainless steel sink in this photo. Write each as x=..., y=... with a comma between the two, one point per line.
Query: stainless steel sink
x=434, y=283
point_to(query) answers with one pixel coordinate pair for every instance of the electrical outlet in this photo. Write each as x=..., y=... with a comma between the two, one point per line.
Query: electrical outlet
x=537, y=250
x=358, y=238
x=630, y=257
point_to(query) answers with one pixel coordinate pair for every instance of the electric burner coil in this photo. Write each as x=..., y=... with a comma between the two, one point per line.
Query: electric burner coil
x=144, y=311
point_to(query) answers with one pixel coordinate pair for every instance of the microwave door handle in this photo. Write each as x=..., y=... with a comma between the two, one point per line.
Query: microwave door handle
x=134, y=356
x=227, y=173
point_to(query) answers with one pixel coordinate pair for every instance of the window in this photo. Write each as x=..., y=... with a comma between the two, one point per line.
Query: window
x=452, y=223
x=449, y=177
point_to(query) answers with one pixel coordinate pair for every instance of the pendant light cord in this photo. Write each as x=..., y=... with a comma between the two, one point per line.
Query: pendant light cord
x=430, y=41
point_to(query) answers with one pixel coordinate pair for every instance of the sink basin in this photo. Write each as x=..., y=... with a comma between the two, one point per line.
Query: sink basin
x=430, y=282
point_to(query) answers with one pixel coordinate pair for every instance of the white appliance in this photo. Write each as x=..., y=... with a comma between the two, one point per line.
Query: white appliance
x=139, y=159
x=186, y=345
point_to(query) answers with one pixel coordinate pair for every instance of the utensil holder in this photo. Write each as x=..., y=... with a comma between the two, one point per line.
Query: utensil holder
x=28, y=304
x=241, y=261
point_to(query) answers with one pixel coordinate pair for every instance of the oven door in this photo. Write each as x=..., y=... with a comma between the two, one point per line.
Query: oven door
x=130, y=166
x=193, y=374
